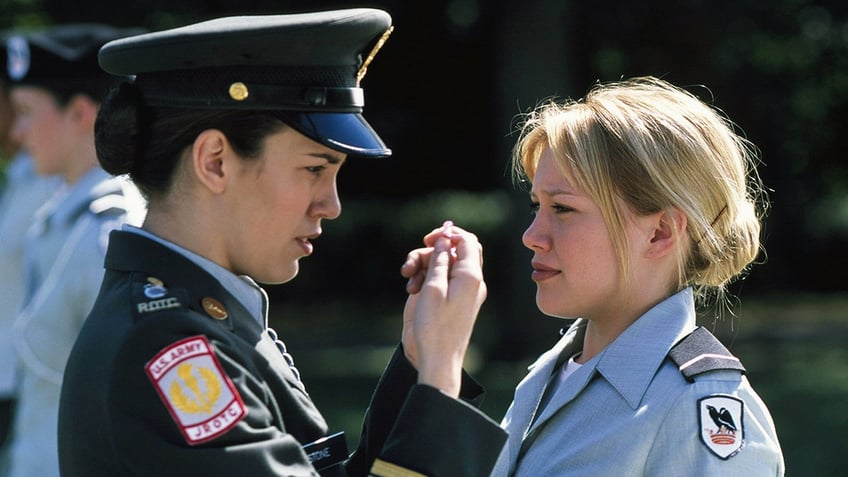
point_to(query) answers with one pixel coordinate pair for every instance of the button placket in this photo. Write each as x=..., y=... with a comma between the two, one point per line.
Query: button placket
x=286, y=355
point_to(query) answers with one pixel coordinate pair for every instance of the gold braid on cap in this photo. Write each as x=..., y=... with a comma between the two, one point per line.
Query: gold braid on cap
x=364, y=68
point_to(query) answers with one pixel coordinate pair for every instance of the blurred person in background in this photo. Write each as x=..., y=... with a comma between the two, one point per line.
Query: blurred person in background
x=22, y=192
x=645, y=200
x=235, y=129
x=55, y=87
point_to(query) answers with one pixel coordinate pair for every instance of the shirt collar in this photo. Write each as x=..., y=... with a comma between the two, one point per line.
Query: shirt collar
x=630, y=362
x=242, y=287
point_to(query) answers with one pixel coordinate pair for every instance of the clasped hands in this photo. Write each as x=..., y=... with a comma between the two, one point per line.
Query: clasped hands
x=446, y=290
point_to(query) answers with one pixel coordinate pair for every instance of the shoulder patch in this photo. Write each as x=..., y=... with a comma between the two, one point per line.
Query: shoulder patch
x=200, y=397
x=701, y=352
x=721, y=422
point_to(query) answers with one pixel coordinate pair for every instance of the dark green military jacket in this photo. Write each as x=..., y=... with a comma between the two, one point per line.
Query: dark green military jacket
x=171, y=375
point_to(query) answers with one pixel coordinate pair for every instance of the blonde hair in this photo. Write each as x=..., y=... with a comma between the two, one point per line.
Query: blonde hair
x=657, y=147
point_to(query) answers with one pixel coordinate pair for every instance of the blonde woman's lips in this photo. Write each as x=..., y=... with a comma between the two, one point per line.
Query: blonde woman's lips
x=542, y=272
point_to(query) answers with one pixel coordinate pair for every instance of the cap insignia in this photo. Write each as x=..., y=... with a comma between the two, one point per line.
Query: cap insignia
x=238, y=91
x=18, y=60
x=364, y=68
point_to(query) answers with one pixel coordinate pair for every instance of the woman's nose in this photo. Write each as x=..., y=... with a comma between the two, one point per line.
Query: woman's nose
x=533, y=237
x=328, y=206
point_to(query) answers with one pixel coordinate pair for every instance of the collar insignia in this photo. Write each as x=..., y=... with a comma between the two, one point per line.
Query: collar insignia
x=214, y=308
x=154, y=288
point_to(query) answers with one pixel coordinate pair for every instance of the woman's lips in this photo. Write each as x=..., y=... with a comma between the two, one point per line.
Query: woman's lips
x=305, y=244
x=542, y=272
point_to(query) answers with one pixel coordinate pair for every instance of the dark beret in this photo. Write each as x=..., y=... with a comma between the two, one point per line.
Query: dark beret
x=306, y=68
x=61, y=58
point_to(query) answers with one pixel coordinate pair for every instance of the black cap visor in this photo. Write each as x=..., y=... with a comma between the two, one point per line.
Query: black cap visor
x=349, y=133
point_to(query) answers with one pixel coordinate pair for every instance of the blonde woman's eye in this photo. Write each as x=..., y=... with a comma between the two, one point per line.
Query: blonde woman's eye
x=534, y=208
x=562, y=209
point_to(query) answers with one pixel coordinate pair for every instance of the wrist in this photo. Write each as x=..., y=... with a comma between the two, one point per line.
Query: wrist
x=444, y=374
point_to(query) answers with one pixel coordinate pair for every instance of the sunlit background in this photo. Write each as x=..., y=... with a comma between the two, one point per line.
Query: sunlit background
x=446, y=92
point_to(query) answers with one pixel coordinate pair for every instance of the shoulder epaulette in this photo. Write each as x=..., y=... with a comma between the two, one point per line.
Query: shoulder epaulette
x=701, y=352
x=111, y=203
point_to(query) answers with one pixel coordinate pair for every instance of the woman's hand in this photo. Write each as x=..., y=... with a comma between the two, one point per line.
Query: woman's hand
x=446, y=292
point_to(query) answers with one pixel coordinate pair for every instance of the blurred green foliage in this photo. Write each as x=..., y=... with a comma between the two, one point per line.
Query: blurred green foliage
x=438, y=92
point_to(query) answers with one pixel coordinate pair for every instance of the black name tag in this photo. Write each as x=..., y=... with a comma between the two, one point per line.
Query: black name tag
x=327, y=453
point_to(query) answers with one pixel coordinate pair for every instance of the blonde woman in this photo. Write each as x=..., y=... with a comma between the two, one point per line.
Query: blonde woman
x=645, y=201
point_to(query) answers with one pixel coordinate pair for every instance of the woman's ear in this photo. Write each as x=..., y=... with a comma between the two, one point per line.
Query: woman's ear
x=82, y=111
x=208, y=154
x=668, y=228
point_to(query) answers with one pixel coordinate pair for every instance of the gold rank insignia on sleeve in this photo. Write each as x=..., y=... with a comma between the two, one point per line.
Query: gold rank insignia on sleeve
x=382, y=468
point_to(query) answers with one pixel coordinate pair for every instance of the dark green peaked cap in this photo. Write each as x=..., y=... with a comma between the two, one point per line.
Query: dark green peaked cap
x=305, y=68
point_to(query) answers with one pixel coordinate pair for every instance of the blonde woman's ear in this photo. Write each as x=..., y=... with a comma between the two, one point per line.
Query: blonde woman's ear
x=667, y=229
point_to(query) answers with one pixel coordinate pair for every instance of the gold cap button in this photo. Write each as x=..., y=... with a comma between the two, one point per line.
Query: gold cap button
x=214, y=308
x=238, y=91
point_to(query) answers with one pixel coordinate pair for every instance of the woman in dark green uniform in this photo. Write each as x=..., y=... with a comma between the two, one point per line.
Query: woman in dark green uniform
x=235, y=130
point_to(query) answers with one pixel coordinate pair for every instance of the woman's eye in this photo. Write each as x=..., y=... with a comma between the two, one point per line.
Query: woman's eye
x=316, y=169
x=557, y=208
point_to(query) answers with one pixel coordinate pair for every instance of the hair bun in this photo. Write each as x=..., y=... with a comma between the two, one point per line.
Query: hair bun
x=118, y=134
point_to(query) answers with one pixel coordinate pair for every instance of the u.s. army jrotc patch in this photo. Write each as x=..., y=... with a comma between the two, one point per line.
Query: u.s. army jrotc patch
x=198, y=394
x=721, y=424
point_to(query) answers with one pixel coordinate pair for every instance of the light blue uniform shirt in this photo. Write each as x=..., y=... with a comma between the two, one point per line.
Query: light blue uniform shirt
x=630, y=412
x=23, y=194
x=63, y=256
x=242, y=287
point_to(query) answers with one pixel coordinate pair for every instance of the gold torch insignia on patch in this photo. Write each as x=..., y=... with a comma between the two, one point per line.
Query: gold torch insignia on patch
x=200, y=397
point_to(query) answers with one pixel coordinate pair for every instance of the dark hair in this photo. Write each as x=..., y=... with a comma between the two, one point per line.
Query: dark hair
x=147, y=142
x=63, y=91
